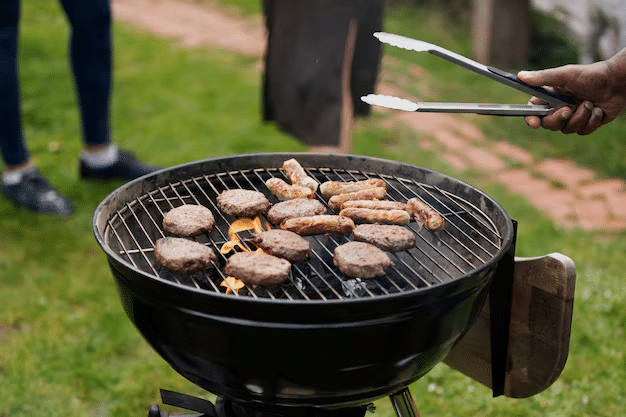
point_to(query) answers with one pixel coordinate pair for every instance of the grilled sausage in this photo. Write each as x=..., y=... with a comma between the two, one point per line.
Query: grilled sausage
x=375, y=193
x=365, y=215
x=361, y=260
x=331, y=188
x=285, y=191
x=425, y=214
x=188, y=220
x=387, y=237
x=323, y=223
x=375, y=204
x=298, y=176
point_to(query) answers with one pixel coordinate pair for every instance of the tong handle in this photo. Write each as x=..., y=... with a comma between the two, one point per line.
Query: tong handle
x=541, y=92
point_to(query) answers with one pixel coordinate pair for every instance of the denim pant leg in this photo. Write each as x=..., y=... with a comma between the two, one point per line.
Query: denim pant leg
x=90, y=49
x=12, y=144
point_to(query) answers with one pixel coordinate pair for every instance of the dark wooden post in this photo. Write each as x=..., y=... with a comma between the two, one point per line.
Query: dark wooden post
x=501, y=32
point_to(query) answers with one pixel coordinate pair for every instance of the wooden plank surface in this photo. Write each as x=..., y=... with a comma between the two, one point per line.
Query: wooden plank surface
x=540, y=324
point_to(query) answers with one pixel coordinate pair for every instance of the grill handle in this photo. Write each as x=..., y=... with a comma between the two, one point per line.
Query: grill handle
x=403, y=404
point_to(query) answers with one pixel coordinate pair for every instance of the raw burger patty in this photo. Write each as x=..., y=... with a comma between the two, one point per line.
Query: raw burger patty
x=361, y=260
x=256, y=268
x=387, y=237
x=284, y=244
x=189, y=220
x=182, y=255
x=299, y=207
x=243, y=203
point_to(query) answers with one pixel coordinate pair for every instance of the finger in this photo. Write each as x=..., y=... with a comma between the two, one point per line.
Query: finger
x=557, y=120
x=579, y=119
x=597, y=115
x=552, y=76
x=533, y=122
x=537, y=100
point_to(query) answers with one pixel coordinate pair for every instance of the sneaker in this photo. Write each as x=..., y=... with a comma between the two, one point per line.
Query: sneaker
x=127, y=167
x=34, y=192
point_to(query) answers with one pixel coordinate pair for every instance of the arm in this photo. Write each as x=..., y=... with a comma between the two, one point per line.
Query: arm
x=600, y=86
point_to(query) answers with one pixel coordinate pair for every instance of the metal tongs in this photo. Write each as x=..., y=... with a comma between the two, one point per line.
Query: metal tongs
x=553, y=99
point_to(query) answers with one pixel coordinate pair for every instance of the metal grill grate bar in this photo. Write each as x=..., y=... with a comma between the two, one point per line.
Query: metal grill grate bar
x=468, y=240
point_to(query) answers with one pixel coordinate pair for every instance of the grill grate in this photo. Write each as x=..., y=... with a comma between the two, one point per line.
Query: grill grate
x=468, y=241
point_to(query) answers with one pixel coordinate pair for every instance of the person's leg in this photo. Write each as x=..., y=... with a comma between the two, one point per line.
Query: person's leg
x=21, y=182
x=90, y=51
x=91, y=55
x=14, y=152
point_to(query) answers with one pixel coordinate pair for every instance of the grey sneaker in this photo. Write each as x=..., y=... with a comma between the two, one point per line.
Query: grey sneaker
x=127, y=167
x=36, y=193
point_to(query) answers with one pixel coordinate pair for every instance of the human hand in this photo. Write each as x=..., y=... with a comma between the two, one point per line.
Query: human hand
x=600, y=87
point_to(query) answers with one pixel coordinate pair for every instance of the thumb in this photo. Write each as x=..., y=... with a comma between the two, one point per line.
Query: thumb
x=551, y=77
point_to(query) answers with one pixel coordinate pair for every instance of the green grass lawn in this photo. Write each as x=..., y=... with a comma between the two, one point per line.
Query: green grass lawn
x=67, y=348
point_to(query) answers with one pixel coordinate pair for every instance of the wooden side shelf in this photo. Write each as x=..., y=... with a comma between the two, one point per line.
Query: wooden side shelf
x=539, y=334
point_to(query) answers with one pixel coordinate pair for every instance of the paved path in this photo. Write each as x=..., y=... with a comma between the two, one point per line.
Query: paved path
x=571, y=195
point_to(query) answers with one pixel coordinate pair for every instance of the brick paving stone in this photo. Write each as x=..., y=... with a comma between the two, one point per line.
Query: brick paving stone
x=558, y=204
x=591, y=214
x=522, y=182
x=602, y=188
x=456, y=161
x=514, y=152
x=469, y=131
x=617, y=204
x=565, y=172
x=485, y=160
x=426, y=144
x=450, y=140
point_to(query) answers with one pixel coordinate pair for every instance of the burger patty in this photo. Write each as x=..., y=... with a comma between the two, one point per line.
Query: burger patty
x=182, y=255
x=256, y=268
x=299, y=207
x=189, y=220
x=243, y=203
x=361, y=260
x=387, y=237
x=284, y=244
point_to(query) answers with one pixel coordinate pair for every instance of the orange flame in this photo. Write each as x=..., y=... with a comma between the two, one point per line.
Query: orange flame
x=233, y=284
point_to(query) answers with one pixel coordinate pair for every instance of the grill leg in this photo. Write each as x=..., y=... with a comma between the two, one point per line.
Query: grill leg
x=403, y=404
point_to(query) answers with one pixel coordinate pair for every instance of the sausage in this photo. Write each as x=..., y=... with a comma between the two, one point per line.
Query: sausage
x=376, y=193
x=322, y=223
x=331, y=188
x=375, y=204
x=298, y=176
x=425, y=214
x=285, y=191
x=365, y=215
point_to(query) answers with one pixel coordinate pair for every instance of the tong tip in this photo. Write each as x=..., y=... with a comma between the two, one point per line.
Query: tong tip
x=390, y=102
x=404, y=42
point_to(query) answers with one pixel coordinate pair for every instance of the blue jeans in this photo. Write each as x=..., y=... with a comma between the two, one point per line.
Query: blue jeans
x=90, y=51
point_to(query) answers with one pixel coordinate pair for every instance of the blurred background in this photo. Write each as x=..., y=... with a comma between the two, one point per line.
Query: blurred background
x=66, y=346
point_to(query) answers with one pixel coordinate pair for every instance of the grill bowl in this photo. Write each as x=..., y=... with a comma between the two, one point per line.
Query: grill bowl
x=326, y=352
